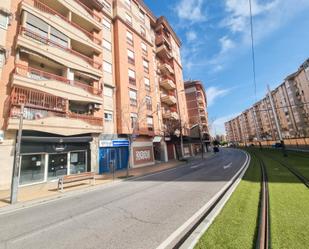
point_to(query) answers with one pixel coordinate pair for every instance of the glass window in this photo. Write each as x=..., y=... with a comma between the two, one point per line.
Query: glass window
x=106, y=24
x=4, y=21
x=133, y=117
x=143, y=31
x=108, y=116
x=133, y=94
x=142, y=15
x=128, y=2
x=107, y=67
x=144, y=47
x=146, y=66
x=130, y=38
x=2, y=58
x=108, y=91
x=150, y=121
x=130, y=54
x=107, y=5
x=107, y=45
x=78, y=162
x=131, y=73
x=128, y=18
x=32, y=169
x=57, y=165
x=58, y=37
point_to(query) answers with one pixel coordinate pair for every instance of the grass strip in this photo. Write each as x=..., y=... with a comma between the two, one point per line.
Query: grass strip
x=235, y=226
x=289, y=205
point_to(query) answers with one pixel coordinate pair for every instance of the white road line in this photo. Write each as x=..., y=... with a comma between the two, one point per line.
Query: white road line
x=228, y=165
x=202, y=210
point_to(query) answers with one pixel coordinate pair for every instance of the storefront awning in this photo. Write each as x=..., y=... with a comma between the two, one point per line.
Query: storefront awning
x=157, y=139
x=35, y=139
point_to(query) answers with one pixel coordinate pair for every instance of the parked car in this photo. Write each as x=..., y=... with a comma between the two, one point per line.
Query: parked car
x=277, y=145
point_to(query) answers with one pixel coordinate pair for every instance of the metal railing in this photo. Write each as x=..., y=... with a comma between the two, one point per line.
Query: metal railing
x=37, y=74
x=45, y=8
x=27, y=32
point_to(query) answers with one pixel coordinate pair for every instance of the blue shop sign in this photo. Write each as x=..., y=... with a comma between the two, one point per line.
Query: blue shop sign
x=114, y=143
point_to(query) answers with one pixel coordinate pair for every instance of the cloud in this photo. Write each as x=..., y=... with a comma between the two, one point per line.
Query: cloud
x=191, y=36
x=190, y=10
x=217, y=126
x=226, y=44
x=214, y=93
x=239, y=12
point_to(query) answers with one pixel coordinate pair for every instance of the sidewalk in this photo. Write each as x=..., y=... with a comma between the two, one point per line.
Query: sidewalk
x=49, y=190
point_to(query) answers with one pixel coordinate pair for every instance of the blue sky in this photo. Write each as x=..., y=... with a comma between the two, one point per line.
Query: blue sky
x=217, y=50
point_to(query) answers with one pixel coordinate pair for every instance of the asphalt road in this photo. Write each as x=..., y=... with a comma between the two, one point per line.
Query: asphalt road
x=140, y=213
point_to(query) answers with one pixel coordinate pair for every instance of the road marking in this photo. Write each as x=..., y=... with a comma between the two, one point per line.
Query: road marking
x=195, y=216
x=194, y=167
x=228, y=165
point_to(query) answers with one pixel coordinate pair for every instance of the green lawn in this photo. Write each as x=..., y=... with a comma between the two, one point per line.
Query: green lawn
x=235, y=227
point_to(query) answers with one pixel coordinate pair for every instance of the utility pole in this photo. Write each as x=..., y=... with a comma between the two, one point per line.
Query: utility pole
x=276, y=120
x=201, y=140
x=180, y=122
x=15, y=174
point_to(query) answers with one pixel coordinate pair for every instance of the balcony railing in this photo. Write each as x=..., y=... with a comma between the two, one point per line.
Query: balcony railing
x=39, y=105
x=44, y=40
x=37, y=74
x=43, y=7
x=94, y=15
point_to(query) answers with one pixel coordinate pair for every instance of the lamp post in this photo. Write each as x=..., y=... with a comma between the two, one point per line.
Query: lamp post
x=15, y=174
x=180, y=121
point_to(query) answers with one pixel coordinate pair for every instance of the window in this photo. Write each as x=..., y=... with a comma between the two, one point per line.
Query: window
x=131, y=75
x=146, y=66
x=128, y=3
x=131, y=59
x=150, y=123
x=133, y=117
x=128, y=19
x=143, y=32
x=108, y=91
x=107, y=67
x=108, y=116
x=142, y=15
x=148, y=103
x=2, y=58
x=130, y=38
x=144, y=47
x=107, y=5
x=106, y=24
x=58, y=37
x=133, y=97
x=147, y=84
x=107, y=45
x=4, y=21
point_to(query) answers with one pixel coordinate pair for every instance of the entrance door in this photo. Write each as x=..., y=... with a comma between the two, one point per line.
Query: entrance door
x=170, y=151
x=57, y=165
x=32, y=169
x=118, y=155
x=157, y=151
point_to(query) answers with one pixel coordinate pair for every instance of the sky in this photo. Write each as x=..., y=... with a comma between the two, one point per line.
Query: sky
x=216, y=47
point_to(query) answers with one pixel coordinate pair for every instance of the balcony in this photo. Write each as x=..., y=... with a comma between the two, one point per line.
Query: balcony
x=54, y=84
x=56, y=17
x=164, y=52
x=167, y=84
x=165, y=68
x=167, y=114
x=57, y=52
x=161, y=39
x=168, y=99
x=47, y=113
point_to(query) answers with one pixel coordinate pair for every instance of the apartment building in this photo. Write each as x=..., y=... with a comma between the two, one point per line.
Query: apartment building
x=290, y=101
x=149, y=82
x=55, y=70
x=197, y=108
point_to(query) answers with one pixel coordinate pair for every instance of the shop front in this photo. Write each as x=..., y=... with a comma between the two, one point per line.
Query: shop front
x=142, y=153
x=47, y=158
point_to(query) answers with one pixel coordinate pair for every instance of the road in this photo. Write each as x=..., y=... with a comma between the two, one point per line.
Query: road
x=140, y=213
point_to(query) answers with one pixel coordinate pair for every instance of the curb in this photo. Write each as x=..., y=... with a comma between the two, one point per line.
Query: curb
x=66, y=195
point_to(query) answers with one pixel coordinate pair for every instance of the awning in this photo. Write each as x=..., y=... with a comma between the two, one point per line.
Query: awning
x=35, y=139
x=157, y=139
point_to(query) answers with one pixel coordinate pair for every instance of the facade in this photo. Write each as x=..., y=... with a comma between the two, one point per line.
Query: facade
x=55, y=69
x=197, y=109
x=291, y=109
x=94, y=79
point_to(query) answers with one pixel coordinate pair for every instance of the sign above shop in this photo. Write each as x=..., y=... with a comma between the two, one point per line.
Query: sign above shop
x=114, y=143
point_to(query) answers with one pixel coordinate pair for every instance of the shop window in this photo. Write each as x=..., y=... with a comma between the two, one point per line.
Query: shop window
x=78, y=162
x=57, y=165
x=32, y=169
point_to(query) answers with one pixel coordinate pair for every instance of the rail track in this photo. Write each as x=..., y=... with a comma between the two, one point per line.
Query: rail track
x=263, y=236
